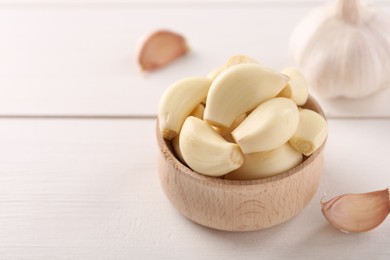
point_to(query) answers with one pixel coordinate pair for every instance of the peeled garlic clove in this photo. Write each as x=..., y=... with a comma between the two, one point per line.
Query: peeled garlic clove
x=205, y=151
x=311, y=132
x=176, y=147
x=296, y=89
x=268, y=127
x=178, y=101
x=234, y=60
x=238, y=89
x=343, y=49
x=161, y=48
x=213, y=74
x=226, y=133
x=240, y=59
x=357, y=212
x=198, y=111
x=266, y=164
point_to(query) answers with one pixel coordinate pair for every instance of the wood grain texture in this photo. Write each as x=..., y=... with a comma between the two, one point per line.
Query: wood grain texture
x=89, y=190
x=233, y=206
x=239, y=205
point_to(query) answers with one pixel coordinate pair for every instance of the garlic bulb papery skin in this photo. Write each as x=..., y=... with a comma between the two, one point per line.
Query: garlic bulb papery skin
x=343, y=49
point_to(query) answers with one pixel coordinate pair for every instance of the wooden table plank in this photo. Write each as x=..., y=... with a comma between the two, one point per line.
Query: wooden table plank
x=81, y=59
x=141, y=2
x=88, y=189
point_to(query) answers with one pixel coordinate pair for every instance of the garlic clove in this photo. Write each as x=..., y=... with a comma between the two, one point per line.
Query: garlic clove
x=176, y=148
x=226, y=101
x=178, y=101
x=214, y=73
x=233, y=60
x=205, y=151
x=240, y=59
x=311, y=132
x=343, y=49
x=198, y=111
x=161, y=48
x=268, y=127
x=357, y=212
x=296, y=89
x=226, y=133
x=266, y=164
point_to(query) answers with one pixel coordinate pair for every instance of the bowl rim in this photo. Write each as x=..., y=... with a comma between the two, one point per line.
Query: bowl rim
x=164, y=144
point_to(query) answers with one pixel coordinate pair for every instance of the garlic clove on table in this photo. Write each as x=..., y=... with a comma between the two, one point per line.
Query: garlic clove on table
x=357, y=212
x=161, y=48
x=343, y=49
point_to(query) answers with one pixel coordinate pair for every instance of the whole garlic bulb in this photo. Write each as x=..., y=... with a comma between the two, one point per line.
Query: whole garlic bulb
x=343, y=49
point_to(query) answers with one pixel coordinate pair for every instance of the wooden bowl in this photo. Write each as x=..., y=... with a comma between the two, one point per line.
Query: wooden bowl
x=239, y=205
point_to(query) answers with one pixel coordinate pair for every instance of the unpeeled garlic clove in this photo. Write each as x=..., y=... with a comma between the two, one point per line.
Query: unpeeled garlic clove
x=266, y=164
x=178, y=101
x=226, y=101
x=357, y=212
x=268, y=127
x=296, y=89
x=311, y=132
x=205, y=151
x=161, y=48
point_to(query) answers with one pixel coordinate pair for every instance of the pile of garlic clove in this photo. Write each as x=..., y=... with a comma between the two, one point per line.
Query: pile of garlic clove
x=242, y=121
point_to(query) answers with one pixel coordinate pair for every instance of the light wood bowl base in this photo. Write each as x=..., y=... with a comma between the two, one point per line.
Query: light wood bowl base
x=239, y=205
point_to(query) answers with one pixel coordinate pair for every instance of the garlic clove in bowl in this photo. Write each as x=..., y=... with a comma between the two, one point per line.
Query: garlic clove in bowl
x=238, y=205
x=343, y=49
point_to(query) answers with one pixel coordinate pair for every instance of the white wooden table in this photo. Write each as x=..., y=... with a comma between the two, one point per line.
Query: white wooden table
x=78, y=173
